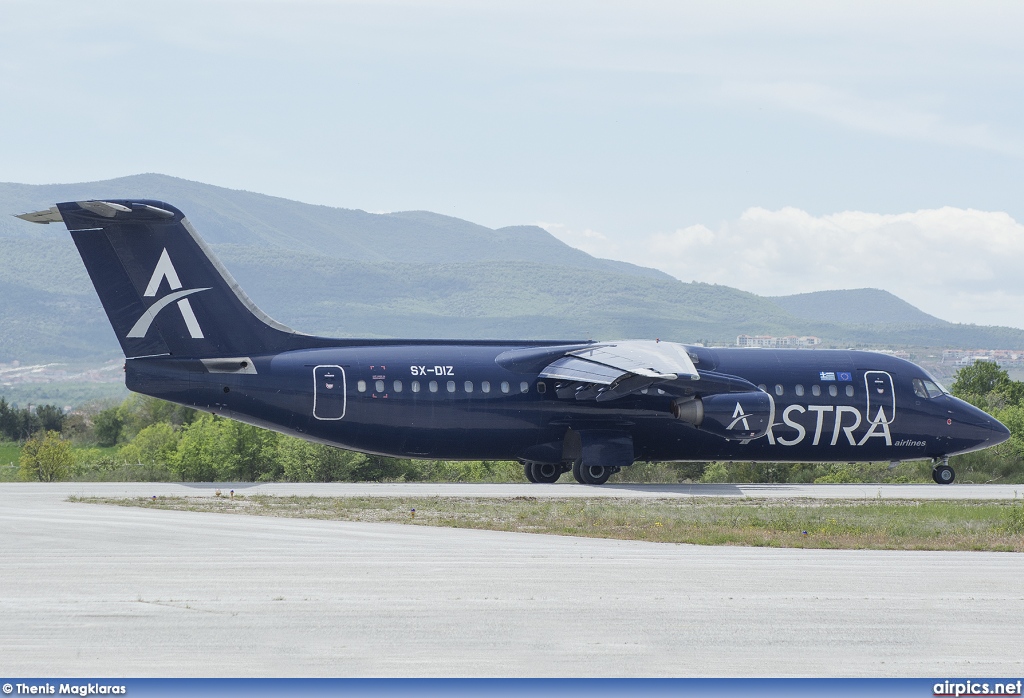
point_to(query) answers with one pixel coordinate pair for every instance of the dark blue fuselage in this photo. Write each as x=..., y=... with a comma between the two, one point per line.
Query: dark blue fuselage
x=454, y=401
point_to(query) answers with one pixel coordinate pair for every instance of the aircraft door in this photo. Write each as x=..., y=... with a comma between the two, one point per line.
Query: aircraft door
x=881, y=396
x=329, y=395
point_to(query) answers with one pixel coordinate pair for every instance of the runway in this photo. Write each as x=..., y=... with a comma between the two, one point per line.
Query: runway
x=561, y=489
x=94, y=590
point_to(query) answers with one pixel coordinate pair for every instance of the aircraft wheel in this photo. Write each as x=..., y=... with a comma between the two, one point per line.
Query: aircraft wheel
x=590, y=474
x=546, y=472
x=943, y=474
x=577, y=473
x=528, y=472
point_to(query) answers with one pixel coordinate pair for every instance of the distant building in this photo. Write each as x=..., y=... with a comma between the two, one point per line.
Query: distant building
x=764, y=340
x=966, y=357
x=899, y=353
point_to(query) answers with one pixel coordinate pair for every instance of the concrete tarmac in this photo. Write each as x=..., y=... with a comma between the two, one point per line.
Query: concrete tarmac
x=566, y=488
x=92, y=590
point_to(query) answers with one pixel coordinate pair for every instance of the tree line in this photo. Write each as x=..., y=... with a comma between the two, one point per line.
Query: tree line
x=147, y=439
x=19, y=424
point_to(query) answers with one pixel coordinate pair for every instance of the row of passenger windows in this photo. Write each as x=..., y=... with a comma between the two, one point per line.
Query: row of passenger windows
x=433, y=386
x=833, y=390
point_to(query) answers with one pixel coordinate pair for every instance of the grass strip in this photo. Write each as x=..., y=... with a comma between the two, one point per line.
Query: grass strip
x=783, y=523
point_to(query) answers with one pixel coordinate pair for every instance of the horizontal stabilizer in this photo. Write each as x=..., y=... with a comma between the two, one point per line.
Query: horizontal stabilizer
x=50, y=215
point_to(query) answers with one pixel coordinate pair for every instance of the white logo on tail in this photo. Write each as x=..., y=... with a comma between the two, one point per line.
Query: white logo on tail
x=165, y=270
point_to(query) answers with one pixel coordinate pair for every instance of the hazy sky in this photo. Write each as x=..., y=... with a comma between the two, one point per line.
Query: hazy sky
x=777, y=147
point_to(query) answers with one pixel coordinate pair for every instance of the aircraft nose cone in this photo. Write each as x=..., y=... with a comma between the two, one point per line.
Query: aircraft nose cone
x=999, y=432
x=966, y=413
x=978, y=425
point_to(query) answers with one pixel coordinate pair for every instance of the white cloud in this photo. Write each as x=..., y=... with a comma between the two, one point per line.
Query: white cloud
x=961, y=265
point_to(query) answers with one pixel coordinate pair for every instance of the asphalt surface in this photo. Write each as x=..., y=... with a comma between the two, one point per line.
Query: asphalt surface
x=96, y=590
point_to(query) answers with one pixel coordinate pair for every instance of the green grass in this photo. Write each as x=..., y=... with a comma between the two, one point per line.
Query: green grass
x=9, y=455
x=793, y=523
x=10, y=452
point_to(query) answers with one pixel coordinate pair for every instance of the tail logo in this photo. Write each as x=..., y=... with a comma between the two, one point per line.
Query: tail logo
x=165, y=270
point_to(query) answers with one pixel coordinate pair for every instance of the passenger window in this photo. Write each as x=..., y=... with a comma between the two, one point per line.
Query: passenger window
x=799, y=390
x=398, y=386
x=833, y=390
x=505, y=387
x=361, y=386
x=763, y=388
x=451, y=386
x=415, y=386
x=849, y=391
x=468, y=385
x=542, y=387
x=816, y=390
x=779, y=390
x=379, y=386
x=432, y=386
x=524, y=387
x=485, y=386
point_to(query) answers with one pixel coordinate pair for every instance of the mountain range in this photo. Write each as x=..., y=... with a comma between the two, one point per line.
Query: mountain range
x=350, y=273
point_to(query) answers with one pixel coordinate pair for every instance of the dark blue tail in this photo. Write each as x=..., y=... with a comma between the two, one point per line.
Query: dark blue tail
x=162, y=288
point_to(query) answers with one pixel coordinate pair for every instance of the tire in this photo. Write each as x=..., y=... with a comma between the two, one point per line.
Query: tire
x=528, y=472
x=590, y=474
x=577, y=473
x=547, y=472
x=943, y=475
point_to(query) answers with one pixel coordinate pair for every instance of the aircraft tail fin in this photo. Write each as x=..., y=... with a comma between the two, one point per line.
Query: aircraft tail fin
x=163, y=290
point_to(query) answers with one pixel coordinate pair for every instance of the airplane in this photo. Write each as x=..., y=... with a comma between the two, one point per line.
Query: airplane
x=190, y=335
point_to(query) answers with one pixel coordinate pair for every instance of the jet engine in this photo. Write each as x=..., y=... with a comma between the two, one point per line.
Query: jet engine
x=733, y=416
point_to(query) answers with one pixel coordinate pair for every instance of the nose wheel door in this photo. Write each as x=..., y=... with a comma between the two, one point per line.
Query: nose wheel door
x=329, y=392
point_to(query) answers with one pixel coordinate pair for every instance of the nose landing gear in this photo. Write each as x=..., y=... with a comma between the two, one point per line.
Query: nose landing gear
x=943, y=474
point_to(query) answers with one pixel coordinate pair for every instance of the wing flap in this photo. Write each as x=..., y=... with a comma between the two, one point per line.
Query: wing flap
x=610, y=370
x=652, y=359
x=571, y=368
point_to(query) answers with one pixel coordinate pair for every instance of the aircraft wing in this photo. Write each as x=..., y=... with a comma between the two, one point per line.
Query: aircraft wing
x=609, y=370
x=662, y=360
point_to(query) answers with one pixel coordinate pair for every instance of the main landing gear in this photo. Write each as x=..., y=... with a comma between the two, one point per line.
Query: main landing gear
x=543, y=472
x=584, y=474
x=591, y=474
x=943, y=474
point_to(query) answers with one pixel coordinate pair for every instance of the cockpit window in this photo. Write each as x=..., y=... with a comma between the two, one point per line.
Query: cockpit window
x=927, y=388
x=940, y=386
